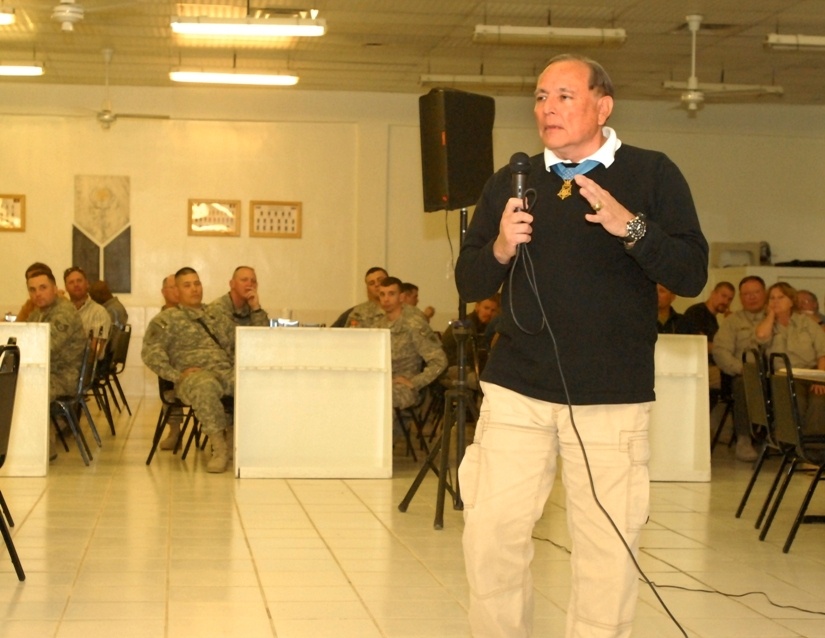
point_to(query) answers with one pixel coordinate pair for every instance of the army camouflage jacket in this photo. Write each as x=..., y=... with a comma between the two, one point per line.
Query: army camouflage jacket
x=365, y=315
x=243, y=317
x=176, y=339
x=67, y=339
x=416, y=350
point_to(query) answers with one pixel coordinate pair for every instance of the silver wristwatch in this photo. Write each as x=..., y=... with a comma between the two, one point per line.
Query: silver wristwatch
x=636, y=229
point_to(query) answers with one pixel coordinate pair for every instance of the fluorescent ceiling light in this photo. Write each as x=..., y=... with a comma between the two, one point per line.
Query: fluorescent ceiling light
x=782, y=42
x=233, y=77
x=6, y=17
x=249, y=27
x=553, y=36
x=491, y=81
x=21, y=70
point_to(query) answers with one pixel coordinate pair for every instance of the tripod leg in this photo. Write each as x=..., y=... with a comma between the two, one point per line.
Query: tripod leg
x=419, y=478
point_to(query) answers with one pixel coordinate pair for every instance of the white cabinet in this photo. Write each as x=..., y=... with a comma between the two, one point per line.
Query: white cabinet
x=313, y=403
x=680, y=419
x=28, y=453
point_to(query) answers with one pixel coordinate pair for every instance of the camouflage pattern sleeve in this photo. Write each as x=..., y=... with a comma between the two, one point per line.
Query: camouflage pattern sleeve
x=155, y=348
x=429, y=348
x=223, y=328
x=259, y=317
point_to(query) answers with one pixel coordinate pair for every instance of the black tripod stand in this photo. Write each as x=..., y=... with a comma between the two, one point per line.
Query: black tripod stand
x=457, y=400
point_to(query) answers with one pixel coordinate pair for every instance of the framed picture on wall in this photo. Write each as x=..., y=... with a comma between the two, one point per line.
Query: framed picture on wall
x=13, y=212
x=214, y=217
x=275, y=219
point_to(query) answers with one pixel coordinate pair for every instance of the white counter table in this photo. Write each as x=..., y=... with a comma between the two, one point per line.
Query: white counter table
x=680, y=419
x=29, y=438
x=313, y=403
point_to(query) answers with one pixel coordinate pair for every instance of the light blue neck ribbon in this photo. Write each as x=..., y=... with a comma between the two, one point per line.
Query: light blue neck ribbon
x=566, y=172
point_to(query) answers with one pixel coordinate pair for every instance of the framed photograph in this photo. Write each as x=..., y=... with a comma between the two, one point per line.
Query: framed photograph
x=13, y=212
x=275, y=219
x=214, y=217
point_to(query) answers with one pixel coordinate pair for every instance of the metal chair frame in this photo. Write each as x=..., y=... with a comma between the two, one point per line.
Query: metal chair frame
x=9, y=371
x=800, y=447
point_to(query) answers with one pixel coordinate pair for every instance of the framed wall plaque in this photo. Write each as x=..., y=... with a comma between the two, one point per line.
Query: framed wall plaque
x=214, y=217
x=275, y=219
x=13, y=212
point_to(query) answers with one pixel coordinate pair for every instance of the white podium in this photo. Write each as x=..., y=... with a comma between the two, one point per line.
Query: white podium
x=313, y=403
x=28, y=453
x=680, y=419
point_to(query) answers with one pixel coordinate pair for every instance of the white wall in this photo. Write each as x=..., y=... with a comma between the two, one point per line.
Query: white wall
x=353, y=159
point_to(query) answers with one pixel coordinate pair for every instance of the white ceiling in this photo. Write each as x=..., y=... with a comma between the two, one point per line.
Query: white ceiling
x=385, y=45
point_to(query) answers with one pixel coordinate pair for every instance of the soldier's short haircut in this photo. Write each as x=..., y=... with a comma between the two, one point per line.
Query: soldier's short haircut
x=186, y=270
x=235, y=272
x=31, y=274
x=408, y=287
x=39, y=266
x=73, y=269
x=386, y=282
x=375, y=269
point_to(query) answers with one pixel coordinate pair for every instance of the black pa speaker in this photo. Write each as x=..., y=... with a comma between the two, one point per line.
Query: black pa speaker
x=456, y=147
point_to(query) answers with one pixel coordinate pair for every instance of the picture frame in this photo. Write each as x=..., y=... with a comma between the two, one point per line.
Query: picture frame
x=275, y=219
x=13, y=213
x=214, y=217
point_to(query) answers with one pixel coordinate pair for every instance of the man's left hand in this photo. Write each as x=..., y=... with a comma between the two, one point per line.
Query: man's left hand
x=606, y=210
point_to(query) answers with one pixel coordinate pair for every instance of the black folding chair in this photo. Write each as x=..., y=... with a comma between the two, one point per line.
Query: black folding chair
x=114, y=363
x=169, y=405
x=9, y=370
x=760, y=414
x=800, y=447
x=70, y=406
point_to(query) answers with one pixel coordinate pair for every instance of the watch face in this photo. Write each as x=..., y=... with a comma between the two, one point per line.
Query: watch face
x=636, y=228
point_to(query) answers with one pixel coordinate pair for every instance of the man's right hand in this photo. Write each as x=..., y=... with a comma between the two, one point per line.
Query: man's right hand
x=513, y=230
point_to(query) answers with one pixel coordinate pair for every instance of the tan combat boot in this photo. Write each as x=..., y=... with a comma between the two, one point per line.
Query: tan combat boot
x=220, y=454
x=172, y=438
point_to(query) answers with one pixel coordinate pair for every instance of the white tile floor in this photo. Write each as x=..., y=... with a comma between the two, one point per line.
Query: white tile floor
x=121, y=549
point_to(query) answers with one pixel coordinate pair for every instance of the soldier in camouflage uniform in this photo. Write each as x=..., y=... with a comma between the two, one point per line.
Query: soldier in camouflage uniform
x=195, y=349
x=369, y=313
x=417, y=356
x=241, y=304
x=67, y=337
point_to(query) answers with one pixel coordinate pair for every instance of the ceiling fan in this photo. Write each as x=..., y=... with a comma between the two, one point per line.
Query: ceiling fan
x=693, y=91
x=106, y=116
x=69, y=12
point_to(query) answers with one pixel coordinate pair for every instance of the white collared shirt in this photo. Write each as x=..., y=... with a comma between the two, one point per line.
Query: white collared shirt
x=605, y=155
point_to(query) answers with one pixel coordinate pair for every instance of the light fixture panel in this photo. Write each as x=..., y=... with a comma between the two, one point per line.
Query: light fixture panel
x=16, y=69
x=232, y=77
x=794, y=42
x=248, y=27
x=548, y=36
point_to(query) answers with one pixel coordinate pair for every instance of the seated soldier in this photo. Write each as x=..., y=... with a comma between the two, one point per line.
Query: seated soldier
x=409, y=296
x=476, y=323
x=366, y=314
x=417, y=356
x=67, y=338
x=93, y=315
x=668, y=319
x=169, y=290
x=28, y=305
x=241, y=304
x=100, y=293
x=195, y=349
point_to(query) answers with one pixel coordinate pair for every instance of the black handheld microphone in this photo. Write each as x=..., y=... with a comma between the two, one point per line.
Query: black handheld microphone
x=520, y=168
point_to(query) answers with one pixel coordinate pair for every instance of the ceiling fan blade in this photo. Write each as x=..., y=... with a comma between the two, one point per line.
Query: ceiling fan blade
x=142, y=116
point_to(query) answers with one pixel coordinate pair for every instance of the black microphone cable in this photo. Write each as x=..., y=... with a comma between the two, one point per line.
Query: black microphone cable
x=523, y=256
